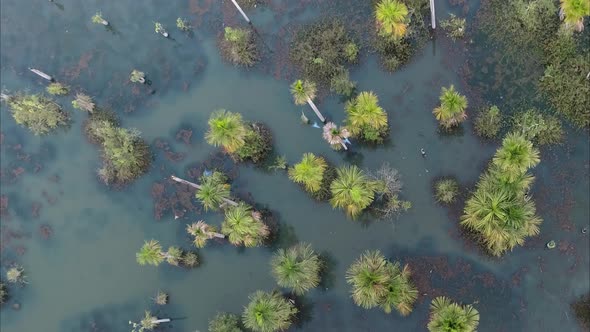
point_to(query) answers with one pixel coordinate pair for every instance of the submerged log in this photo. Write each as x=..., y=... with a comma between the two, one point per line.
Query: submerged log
x=42, y=74
x=194, y=185
x=241, y=11
x=432, y=15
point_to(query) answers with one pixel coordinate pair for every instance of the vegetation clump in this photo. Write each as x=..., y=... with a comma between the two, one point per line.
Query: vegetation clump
x=183, y=25
x=202, y=232
x=572, y=13
x=147, y=323
x=38, y=113
x=190, y=259
x=57, y=89
x=538, y=127
x=353, y=190
x=151, y=253
x=446, y=316
x=243, y=226
x=268, y=312
x=451, y=111
x=365, y=119
x=454, y=26
x=16, y=275
x=388, y=203
x=446, y=190
x=98, y=19
x=83, y=102
x=161, y=298
x=341, y=84
x=297, y=268
x=322, y=50
x=225, y=322
x=488, y=122
x=137, y=76
x=239, y=47
x=582, y=310
x=376, y=282
x=160, y=29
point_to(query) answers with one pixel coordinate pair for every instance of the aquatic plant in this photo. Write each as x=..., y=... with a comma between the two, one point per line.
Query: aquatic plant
x=137, y=76
x=304, y=92
x=297, y=268
x=335, y=136
x=147, y=323
x=173, y=255
x=190, y=259
x=341, y=84
x=16, y=275
x=239, y=47
x=161, y=298
x=446, y=190
x=309, y=172
x=572, y=13
x=3, y=293
x=365, y=118
x=488, y=122
x=225, y=322
x=515, y=157
x=257, y=144
x=322, y=49
x=38, y=113
x=214, y=190
x=202, y=232
x=268, y=312
x=183, y=25
x=454, y=26
x=392, y=18
x=451, y=111
x=83, y=102
x=352, y=190
x=159, y=28
x=377, y=282
x=226, y=129
x=98, y=19
x=243, y=226
x=279, y=163
x=538, y=127
x=447, y=316
x=57, y=89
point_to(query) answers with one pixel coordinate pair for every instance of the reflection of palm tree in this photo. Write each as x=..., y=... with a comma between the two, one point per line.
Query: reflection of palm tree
x=268, y=312
x=451, y=111
x=572, y=12
x=226, y=129
x=352, y=190
x=243, y=226
x=213, y=191
x=336, y=137
x=309, y=172
x=297, y=267
x=391, y=18
x=202, y=232
x=303, y=92
x=448, y=316
x=515, y=156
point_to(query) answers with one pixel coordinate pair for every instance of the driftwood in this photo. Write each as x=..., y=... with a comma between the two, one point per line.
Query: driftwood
x=194, y=185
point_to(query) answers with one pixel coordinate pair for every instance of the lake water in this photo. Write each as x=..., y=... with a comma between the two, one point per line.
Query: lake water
x=84, y=276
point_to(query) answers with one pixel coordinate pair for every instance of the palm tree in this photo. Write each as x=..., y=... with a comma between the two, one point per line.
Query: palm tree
x=401, y=293
x=297, y=267
x=446, y=190
x=226, y=129
x=447, y=316
x=213, y=191
x=202, y=232
x=572, y=12
x=451, y=111
x=303, y=92
x=309, y=172
x=268, y=312
x=224, y=322
x=368, y=276
x=150, y=253
x=392, y=18
x=336, y=137
x=515, y=156
x=364, y=115
x=352, y=190
x=243, y=226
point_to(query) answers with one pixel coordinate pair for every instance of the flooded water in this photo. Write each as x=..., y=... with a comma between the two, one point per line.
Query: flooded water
x=84, y=277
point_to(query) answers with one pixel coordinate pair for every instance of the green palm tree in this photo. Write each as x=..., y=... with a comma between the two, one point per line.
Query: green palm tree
x=202, y=232
x=304, y=92
x=173, y=256
x=392, y=18
x=572, y=12
x=268, y=312
x=243, y=226
x=369, y=277
x=401, y=293
x=213, y=191
x=515, y=156
x=297, y=267
x=150, y=253
x=309, y=172
x=451, y=111
x=224, y=322
x=226, y=129
x=365, y=116
x=447, y=316
x=352, y=190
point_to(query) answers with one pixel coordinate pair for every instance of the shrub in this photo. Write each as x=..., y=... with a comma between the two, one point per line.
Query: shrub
x=257, y=143
x=389, y=185
x=488, y=122
x=238, y=47
x=366, y=119
x=538, y=127
x=454, y=26
x=39, y=114
x=84, y=102
x=190, y=259
x=224, y=322
x=57, y=89
x=309, y=172
x=446, y=190
x=451, y=111
x=297, y=268
x=449, y=316
x=161, y=298
x=268, y=312
x=341, y=84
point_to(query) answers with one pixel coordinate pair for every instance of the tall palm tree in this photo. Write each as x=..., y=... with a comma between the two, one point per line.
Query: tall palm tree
x=572, y=12
x=352, y=190
x=268, y=312
x=213, y=191
x=447, y=316
x=309, y=172
x=202, y=232
x=297, y=267
x=392, y=18
x=369, y=277
x=516, y=156
x=226, y=129
x=303, y=92
x=451, y=111
x=364, y=112
x=243, y=226
x=401, y=292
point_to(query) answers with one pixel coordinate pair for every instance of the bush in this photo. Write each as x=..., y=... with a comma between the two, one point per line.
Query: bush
x=366, y=119
x=257, y=144
x=446, y=190
x=297, y=268
x=36, y=112
x=454, y=26
x=268, y=312
x=96, y=121
x=238, y=47
x=538, y=127
x=389, y=203
x=341, y=84
x=57, y=89
x=488, y=122
x=224, y=322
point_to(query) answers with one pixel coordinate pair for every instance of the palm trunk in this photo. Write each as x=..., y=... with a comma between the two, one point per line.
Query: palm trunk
x=161, y=320
x=42, y=74
x=241, y=11
x=315, y=109
x=432, y=15
x=217, y=235
x=194, y=185
x=344, y=145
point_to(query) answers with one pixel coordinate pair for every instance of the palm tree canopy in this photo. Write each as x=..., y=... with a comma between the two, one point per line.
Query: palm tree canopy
x=226, y=129
x=368, y=276
x=213, y=190
x=150, y=253
x=574, y=12
x=302, y=90
x=201, y=232
x=364, y=111
x=242, y=226
x=447, y=316
x=297, y=267
x=352, y=190
x=268, y=312
x=452, y=107
x=516, y=156
x=401, y=293
x=310, y=172
x=392, y=17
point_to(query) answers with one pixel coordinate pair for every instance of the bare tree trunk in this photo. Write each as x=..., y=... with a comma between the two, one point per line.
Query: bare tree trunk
x=218, y=235
x=344, y=145
x=315, y=109
x=241, y=11
x=42, y=74
x=432, y=15
x=194, y=185
x=162, y=320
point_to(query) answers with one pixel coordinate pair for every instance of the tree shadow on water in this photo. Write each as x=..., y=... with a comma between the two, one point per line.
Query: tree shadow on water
x=327, y=272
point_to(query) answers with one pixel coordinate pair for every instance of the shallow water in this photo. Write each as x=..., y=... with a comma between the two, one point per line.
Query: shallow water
x=85, y=278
